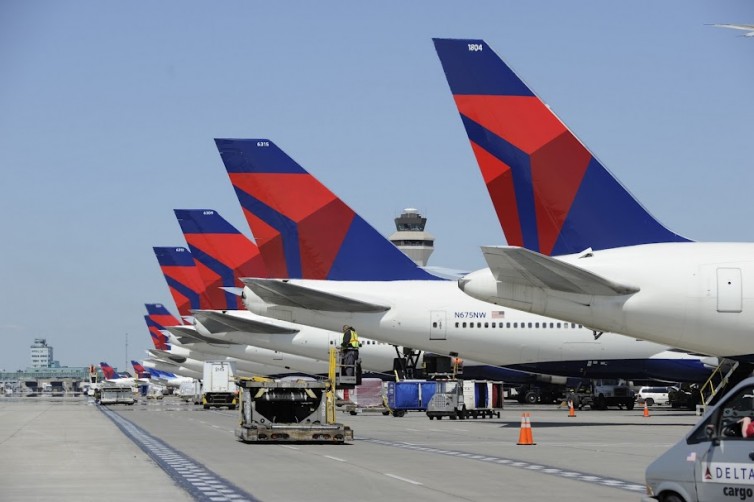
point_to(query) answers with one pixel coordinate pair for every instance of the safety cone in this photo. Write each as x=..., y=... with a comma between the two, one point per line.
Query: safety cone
x=571, y=411
x=525, y=436
x=646, y=410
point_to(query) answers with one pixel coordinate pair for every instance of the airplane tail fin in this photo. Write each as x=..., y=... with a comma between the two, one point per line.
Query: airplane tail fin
x=223, y=255
x=159, y=339
x=108, y=371
x=302, y=229
x=140, y=371
x=157, y=319
x=183, y=279
x=550, y=193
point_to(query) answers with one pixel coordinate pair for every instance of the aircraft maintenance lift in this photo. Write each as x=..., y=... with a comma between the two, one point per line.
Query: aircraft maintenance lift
x=291, y=411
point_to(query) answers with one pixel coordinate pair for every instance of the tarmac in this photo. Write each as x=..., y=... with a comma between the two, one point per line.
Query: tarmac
x=59, y=449
x=169, y=450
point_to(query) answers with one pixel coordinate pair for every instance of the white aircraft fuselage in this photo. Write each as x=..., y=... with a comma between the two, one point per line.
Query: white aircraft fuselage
x=436, y=316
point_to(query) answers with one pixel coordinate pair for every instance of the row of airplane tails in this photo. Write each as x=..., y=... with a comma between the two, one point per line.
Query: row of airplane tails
x=623, y=296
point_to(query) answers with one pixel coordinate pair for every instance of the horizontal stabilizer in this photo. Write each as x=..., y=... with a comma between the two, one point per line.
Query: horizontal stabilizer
x=235, y=323
x=186, y=336
x=515, y=265
x=292, y=295
x=166, y=357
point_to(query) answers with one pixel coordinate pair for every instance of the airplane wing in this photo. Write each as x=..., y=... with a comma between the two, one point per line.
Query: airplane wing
x=515, y=265
x=235, y=323
x=292, y=295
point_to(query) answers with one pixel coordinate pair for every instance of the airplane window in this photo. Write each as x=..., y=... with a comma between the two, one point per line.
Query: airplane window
x=536, y=324
x=507, y=325
x=471, y=325
x=486, y=325
x=464, y=325
x=515, y=325
x=493, y=324
x=530, y=325
x=434, y=324
x=552, y=324
x=456, y=325
x=479, y=325
x=558, y=325
x=580, y=326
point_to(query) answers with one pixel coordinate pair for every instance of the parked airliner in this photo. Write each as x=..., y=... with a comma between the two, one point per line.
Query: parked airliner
x=618, y=269
x=306, y=232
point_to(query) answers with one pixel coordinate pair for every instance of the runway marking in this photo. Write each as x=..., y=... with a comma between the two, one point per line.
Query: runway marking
x=289, y=447
x=549, y=470
x=201, y=483
x=402, y=479
x=335, y=458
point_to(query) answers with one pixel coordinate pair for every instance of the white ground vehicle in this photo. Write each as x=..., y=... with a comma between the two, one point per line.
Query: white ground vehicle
x=653, y=395
x=714, y=460
x=218, y=385
x=191, y=391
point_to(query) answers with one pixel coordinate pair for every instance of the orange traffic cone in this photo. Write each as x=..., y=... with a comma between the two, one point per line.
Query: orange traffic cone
x=571, y=411
x=646, y=410
x=525, y=436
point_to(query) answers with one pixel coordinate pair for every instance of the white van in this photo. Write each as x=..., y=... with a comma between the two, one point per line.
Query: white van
x=714, y=461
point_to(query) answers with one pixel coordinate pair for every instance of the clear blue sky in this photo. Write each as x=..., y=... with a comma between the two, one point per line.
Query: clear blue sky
x=108, y=112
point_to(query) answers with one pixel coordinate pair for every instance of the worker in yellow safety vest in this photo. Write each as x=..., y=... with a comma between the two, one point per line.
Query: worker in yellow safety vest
x=350, y=346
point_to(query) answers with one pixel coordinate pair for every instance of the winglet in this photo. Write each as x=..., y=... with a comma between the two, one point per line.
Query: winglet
x=550, y=193
x=302, y=229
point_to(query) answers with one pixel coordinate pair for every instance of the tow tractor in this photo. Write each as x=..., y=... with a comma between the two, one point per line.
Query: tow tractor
x=293, y=411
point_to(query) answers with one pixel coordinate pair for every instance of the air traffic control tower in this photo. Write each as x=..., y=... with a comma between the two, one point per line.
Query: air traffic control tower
x=411, y=237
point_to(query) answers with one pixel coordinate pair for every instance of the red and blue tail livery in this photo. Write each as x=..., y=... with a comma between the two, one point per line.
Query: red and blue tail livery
x=108, y=371
x=185, y=285
x=550, y=193
x=159, y=339
x=157, y=319
x=221, y=253
x=302, y=229
x=139, y=370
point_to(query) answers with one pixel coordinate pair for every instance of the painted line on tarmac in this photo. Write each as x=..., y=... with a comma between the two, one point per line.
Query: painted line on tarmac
x=402, y=479
x=584, y=477
x=201, y=483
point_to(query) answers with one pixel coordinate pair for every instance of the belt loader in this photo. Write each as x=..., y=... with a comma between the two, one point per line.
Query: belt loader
x=290, y=411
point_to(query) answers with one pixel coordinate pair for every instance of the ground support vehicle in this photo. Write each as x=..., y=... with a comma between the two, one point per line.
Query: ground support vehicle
x=191, y=392
x=686, y=396
x=218, y=385
x=289, y=411
x=466, y=399
x=540, y=393
x=115, y=394
x=599, y=394
x=713, y=461
x=409, y=395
